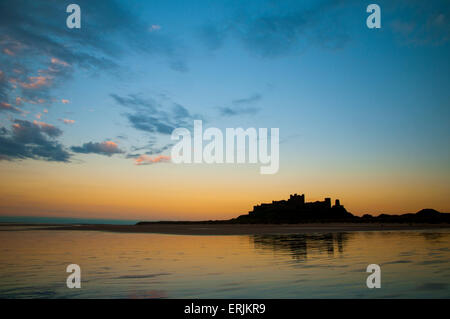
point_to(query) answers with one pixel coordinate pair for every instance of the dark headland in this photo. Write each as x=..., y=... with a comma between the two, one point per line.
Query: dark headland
x=296, y=210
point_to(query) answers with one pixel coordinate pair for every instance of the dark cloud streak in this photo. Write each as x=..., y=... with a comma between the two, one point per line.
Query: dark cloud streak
x=156, y=119
x=150, y=116
x=281, y=31
x=105, y=148
x=250, y=99
x=241, y=106
x=32, y=141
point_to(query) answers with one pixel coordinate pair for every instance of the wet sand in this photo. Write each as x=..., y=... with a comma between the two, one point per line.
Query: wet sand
x=228, y=229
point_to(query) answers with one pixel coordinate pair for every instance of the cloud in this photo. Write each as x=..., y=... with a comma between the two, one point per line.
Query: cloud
x=8, y=107
x=154, y=27
x=5, y=87
x=150, y=116
x=420, y=23
x=232, y=111
x=150, y=123
x=155, y=119
x=251, y=99
x=33, y=140
x=36, y=82
x=64, y=101
x=283, y=30
x=38, y=53
x=21, y=100
x=58, y=61
x=240, y=106
x=135, y=102
x=107, y=148
x=49, y=129
x=150, y=149
x=8, y=52
x=67, y=121
x=148, y=160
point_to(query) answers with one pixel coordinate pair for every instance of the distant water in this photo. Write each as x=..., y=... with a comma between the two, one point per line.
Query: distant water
x=414, y=264
x=60, y=220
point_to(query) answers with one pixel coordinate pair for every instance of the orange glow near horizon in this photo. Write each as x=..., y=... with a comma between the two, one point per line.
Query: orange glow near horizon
x=164, y=191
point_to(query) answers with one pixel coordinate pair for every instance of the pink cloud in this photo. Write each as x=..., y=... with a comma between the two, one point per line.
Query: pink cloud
x=146, y=160
x=64, y=101
x=107, y=148
x=110, y=143
x=38, y=101
x=36, y=82
x=60, y=62
x=19, y=100
x=8, y=107
x=67, y=121
x=48, y=129
x=8, y=52
x=43, y=124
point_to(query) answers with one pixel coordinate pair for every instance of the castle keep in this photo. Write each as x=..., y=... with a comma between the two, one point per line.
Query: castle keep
x=296, y=209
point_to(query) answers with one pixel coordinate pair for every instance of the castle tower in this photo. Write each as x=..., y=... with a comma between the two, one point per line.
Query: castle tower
x=338, y=203
x=297, y=199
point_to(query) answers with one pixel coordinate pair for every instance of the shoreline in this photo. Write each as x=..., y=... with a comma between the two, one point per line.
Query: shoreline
x=229, y=229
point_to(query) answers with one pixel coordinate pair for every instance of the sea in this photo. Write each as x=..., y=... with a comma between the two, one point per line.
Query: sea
x=413, y=264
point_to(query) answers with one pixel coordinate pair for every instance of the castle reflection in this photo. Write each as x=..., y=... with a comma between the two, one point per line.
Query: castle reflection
x=298, y=246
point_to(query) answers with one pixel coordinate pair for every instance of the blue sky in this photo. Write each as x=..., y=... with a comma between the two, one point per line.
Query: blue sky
x=347, y=99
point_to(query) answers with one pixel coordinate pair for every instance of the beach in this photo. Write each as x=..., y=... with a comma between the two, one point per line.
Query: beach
x=183, y=261
x=230, y=229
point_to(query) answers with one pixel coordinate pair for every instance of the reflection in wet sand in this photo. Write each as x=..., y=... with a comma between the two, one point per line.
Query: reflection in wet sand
x=297, y=246
x=415, y=264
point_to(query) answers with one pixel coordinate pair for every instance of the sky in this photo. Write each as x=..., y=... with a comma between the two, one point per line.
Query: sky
x=86, y=114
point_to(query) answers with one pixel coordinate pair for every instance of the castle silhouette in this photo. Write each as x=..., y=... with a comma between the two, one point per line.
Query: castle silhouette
x=296, y=209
